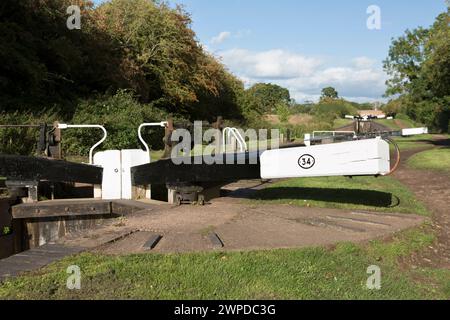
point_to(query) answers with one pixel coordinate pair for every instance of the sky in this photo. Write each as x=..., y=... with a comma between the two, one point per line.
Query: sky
x=308, y=45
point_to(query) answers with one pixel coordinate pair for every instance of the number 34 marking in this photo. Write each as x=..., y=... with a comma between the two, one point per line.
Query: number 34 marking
x=306, y=161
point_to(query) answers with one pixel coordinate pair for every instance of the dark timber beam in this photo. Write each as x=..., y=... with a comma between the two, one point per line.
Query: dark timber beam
x=78, y=208
x=166, y=172
x=61, y=208
x=22, y=168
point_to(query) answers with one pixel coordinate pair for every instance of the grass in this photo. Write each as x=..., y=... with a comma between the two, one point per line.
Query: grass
x=397, y=124
x=436, y=159
x=156, y=155
x=415, y=142
x=391, y=124
x=407, y=121
x=383, y=194
x=401, y=121
x=315, y=273
x=339, y=123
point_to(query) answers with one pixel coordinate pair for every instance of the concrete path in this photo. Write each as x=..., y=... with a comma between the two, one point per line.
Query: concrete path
x=246, y=226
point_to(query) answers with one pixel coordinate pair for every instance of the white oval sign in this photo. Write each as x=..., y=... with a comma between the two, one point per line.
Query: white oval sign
x=306, y=161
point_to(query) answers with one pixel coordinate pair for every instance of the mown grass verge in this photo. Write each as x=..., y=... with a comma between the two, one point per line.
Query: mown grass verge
x=437, y=160
x=316, y=273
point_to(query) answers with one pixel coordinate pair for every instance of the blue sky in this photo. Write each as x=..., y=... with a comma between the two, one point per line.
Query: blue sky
x=307, y=45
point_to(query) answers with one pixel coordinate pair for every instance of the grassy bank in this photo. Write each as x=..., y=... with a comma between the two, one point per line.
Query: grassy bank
x=316, y=273
x=383, y=194
x=437, y=159
x=415, y=142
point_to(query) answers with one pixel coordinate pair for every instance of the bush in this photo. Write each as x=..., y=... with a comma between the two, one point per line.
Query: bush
x=283, y=112
x=121, y=115
x=393, y=107
x=22, y=141
x=434, y=113
x=333, y=108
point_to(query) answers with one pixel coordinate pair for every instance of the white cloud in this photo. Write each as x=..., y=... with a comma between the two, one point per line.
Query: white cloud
x=225, y=35
x=305, y=76
x=272, y=64
x=221, y=37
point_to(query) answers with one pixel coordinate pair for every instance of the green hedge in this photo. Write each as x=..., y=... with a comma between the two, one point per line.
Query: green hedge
x=121, y=114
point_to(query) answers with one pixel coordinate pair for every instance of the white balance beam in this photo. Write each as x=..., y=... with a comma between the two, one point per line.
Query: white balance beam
x=354, y=158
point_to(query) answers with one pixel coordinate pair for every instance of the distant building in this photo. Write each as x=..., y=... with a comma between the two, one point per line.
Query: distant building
x=373, y=113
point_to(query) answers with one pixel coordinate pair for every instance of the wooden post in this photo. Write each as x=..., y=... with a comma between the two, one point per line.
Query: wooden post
x=54, y=148
x=168, y=144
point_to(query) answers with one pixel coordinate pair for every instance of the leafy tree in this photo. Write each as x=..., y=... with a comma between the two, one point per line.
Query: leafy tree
x=43, y=62
x=419, y=67
x=329, y=92
x=142, y=47
x=393, y=107
x=263, y=98
x=406, y=56
x=163, y=62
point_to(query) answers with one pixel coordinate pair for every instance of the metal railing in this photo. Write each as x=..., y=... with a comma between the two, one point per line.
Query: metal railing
x=228, y=133
x=63, y=126
x=162, y=124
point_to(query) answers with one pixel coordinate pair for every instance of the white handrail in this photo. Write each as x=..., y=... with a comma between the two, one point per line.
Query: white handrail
x=91, y=152
x=162, y=124
x=239, y=136
x=227, y=132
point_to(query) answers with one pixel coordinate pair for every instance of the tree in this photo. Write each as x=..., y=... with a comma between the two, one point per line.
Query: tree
x=43, y=62
x=406, y=55
x=142, y=45
x=264, y=98
x=163, y=61
x=330, y=93
x=419, y=69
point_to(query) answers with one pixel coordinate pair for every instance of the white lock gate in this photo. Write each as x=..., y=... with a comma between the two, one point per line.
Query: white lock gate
x=117, y=164
x=117, y=172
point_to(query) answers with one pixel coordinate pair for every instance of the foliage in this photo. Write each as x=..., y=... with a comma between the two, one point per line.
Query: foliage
x=22, y=140
x=141, y=45
x=264, y=98
x=298, y=108
x=163, y=61
x=329, y=92
x=49, y=72
x=6, y=231
x=334, y=108
x=121, y=115
x=393, y=107
x=419, y=69
x=283, y=112
x=43, y=62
